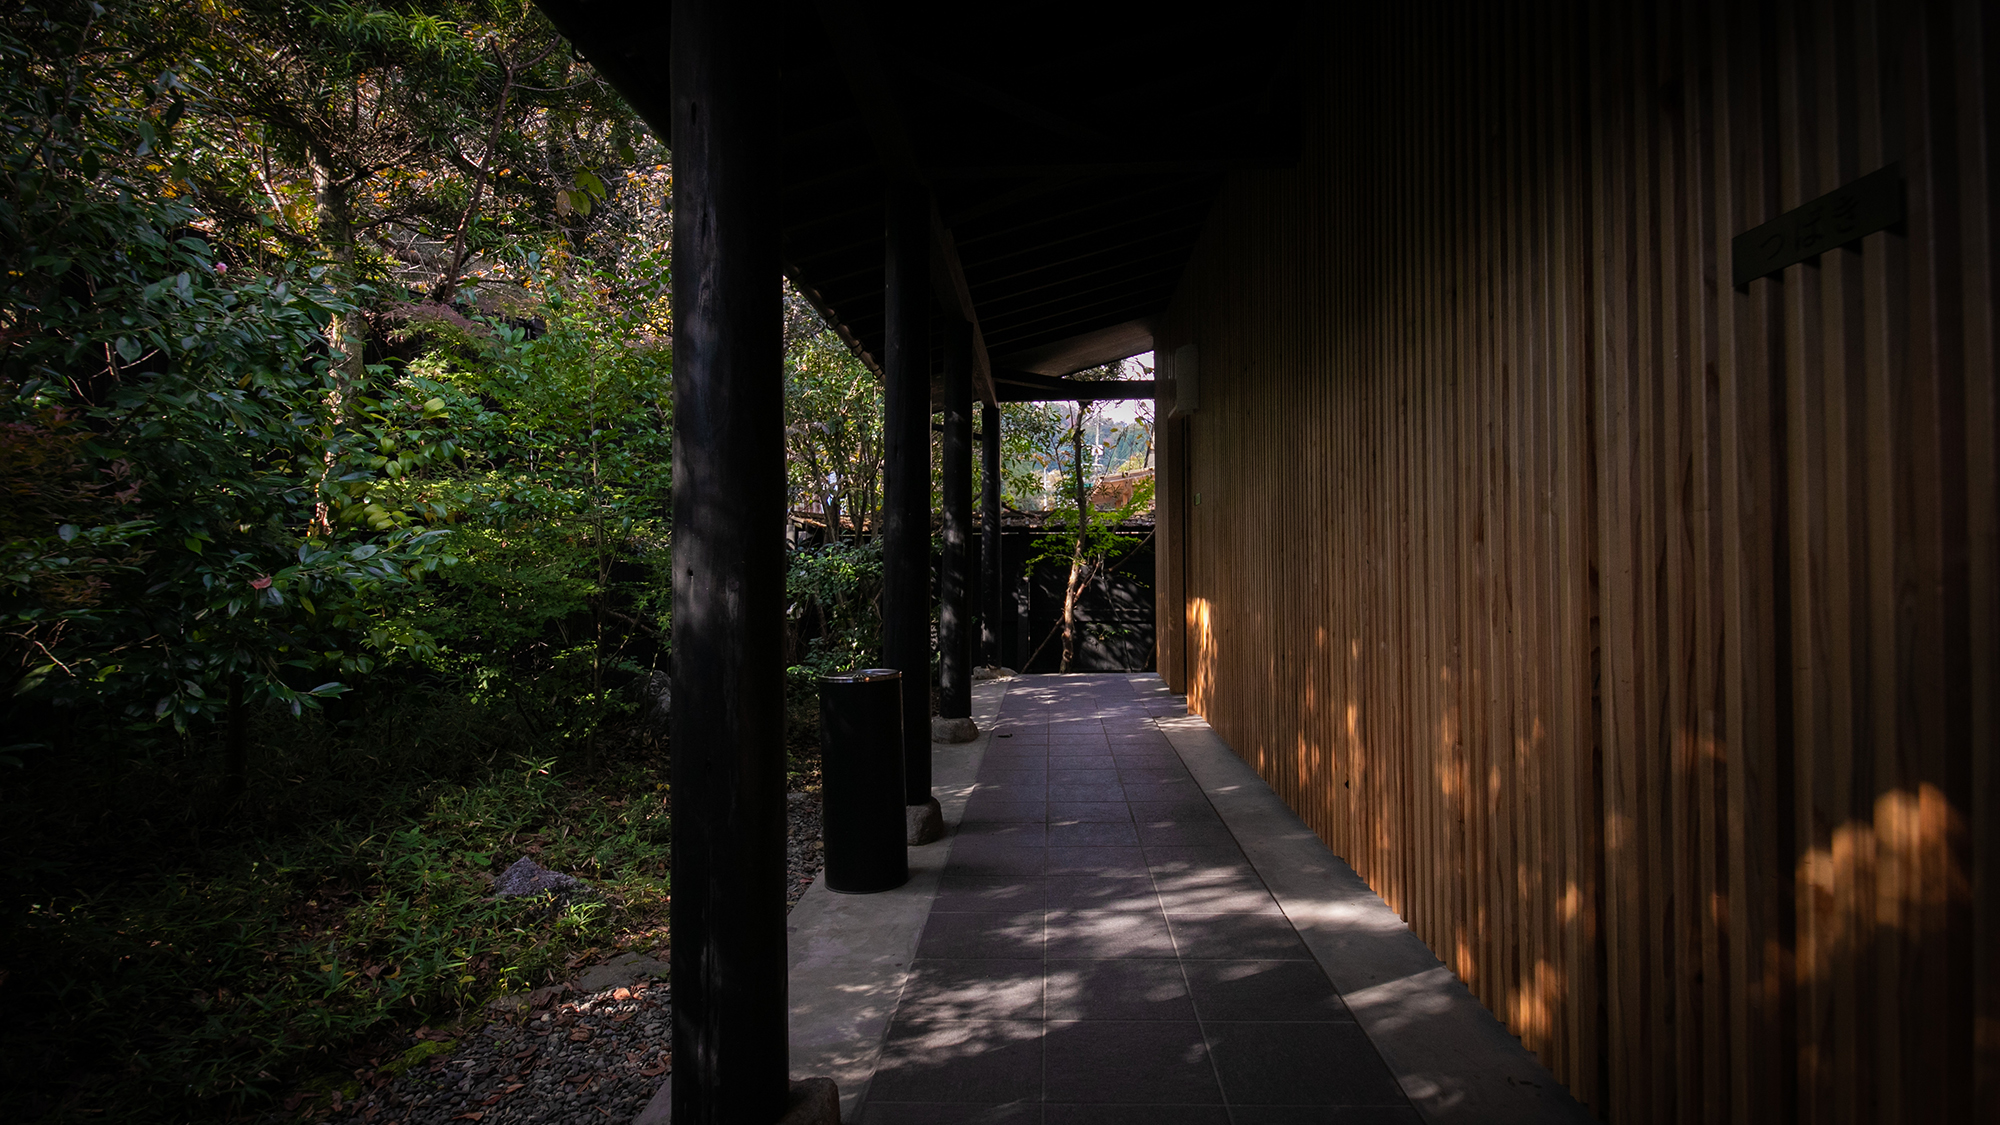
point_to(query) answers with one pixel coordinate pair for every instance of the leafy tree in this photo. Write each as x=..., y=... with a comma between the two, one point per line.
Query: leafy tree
x=398, y=142
x=833, y=429
x=166, y=430
x=1086, y=449
x=560, y=502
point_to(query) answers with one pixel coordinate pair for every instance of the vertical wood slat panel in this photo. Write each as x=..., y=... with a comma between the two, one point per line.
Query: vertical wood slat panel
x=1632, y=634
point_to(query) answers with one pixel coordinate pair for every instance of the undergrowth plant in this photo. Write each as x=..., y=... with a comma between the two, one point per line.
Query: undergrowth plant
x=176, y=991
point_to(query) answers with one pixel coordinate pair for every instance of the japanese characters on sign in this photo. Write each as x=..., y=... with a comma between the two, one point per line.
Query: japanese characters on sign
x=1845, y=214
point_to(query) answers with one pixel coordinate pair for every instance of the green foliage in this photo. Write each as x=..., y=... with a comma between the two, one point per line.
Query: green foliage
x=181, y=989
x=833, y=428
x=561, y=501
x=221, y=528
x=1031, y=435
x=834, y=624
x=835, y=594
x=1101, y=541
x=170, y=434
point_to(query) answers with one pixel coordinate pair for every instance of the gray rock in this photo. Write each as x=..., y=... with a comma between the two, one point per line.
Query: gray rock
x=993, y=672
x=624, y=969
x=923, y=823
x=815, y=1101
x=527, y=877
x=953, y=730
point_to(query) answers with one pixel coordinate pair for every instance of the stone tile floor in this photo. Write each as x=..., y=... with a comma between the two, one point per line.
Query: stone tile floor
x=1101, y=950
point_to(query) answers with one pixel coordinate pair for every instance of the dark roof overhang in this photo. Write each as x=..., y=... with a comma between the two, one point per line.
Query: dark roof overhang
x=1072, y=152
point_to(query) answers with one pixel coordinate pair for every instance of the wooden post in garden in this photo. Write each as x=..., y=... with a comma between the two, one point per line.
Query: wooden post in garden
x=906, y=432
x=731, y=1048
x=989, y=535
x=955, y=608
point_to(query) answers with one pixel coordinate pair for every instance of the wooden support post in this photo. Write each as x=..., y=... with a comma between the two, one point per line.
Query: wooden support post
x=955, y=608
x=906, y=534
x=989, y=535
x=728, y=748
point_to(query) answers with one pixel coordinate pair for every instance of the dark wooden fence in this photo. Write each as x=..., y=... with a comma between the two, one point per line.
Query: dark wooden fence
x=1116, y=615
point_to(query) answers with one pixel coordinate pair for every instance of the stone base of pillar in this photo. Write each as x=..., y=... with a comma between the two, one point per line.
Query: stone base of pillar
x=924, y=822
x=953, y=730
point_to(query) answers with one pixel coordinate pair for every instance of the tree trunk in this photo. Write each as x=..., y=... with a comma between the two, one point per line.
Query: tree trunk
x=1079, y=570
x=346, y=333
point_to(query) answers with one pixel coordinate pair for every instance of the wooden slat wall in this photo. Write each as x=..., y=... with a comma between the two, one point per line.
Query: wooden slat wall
x=1635, y=636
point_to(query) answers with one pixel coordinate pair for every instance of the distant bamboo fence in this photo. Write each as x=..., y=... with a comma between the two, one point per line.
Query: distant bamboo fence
x=1637, y=637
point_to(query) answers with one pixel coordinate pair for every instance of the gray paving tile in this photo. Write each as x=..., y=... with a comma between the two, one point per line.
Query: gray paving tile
x=1126, y=989
x=1096, y=861
x=1131, y=774
x=1161, y=791
x=1071, y=812
x=1085, y=791
x=1135, y=1115
x=1300, y=1064
x=1325, y=1115
x=1197, y=834
x=1236, y=937
x=879, y=1112
x=984, y=807
x=983, y=857
x=1031, y=788
x=1060, y=774
x=1087, y=834
x=985, y=936
x=1129, y=1062
x=988, y=894
x=1210, y=896
x=980, y=1061
x=959, y=989
x=1015, y=833
x=1096, y=935
x=1127, y=757
x=1216, y=861
x=1268, y=991
x=1190, y=810
x=1101, y=892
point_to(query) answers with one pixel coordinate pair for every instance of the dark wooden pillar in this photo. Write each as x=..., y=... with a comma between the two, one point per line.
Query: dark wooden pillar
x=955, y=606
x=906, y=523
x=989, y=535
x=728, y=913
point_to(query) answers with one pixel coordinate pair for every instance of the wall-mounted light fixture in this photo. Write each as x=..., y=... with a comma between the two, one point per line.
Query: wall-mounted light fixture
x=1186, y=381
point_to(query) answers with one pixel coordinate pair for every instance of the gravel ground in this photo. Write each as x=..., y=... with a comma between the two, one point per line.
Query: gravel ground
x=573, y=1059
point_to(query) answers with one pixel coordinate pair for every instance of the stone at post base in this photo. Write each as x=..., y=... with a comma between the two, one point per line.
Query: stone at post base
x=924, y=823
x=953, y=730
x=813, y=1101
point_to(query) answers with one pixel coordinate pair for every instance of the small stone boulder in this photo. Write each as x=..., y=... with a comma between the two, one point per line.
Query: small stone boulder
x=619, y=971
x=953, y=730
x=923, y=824
x=527, y=877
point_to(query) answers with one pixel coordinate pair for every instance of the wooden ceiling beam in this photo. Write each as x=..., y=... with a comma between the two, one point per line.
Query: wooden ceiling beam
x=1026, y=386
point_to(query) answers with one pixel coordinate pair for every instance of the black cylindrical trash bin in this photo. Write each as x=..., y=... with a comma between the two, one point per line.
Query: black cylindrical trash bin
x=861, y=779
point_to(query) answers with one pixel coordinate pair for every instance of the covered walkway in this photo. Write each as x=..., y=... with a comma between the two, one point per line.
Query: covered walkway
x=1126, y=925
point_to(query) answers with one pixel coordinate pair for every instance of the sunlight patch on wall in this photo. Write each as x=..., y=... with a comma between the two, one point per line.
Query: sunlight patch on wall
x=1905, y=854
